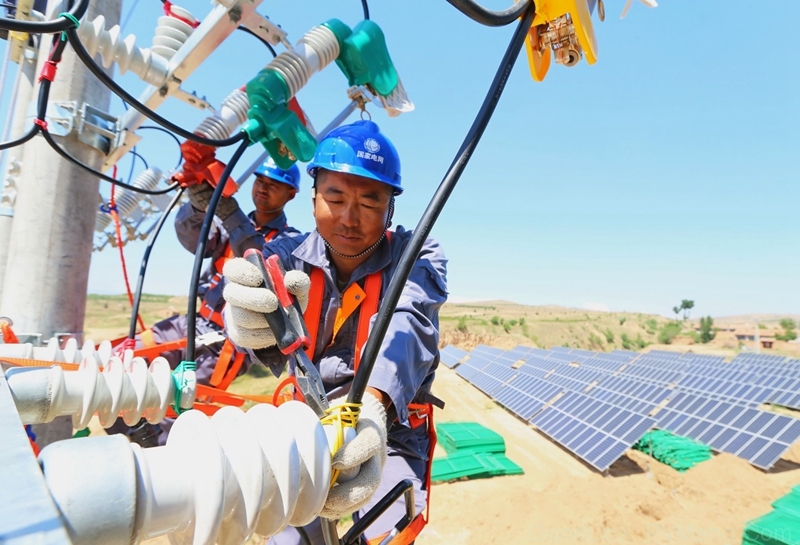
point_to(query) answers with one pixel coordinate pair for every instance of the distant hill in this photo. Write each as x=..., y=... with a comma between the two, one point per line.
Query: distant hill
x=498, y=323
x=504, y=324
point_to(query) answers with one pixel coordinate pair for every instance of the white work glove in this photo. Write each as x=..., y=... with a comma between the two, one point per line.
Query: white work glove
x=367, y=450
x=247, y=303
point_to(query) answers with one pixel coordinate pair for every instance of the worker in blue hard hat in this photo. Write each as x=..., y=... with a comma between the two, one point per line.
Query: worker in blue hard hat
x=218, y=363
x=339, y=274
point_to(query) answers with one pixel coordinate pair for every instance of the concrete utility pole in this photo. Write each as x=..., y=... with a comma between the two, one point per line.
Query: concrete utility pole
x=50, y=248
x=23, y=94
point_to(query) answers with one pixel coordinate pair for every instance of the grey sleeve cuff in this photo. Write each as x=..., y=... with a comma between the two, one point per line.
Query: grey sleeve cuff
x=242, y=235
x=387, y=382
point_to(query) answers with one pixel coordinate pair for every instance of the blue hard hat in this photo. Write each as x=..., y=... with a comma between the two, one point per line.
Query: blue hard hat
x=361, y=149
x=271, y=170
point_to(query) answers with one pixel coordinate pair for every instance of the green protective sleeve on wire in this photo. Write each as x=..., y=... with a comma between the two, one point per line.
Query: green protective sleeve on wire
x=364, y=58
x=72, y=18
x=273, y=124
x=180, y=382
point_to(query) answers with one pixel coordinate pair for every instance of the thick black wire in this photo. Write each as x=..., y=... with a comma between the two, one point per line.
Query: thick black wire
x=411, y=253
x=63, y=153
x=259, y=38
x=200, y=253
x=137, y=298
x=109, y=82
x=137, y=156
x=165, y=131
x=365, y=8
x=487, y=17
x=22, y=139
x=46, y=27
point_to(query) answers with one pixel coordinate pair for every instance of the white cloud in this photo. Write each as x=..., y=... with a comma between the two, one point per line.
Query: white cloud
x=598, y=307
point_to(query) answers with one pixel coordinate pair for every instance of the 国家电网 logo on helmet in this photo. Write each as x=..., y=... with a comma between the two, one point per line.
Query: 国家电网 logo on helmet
x=371, y=145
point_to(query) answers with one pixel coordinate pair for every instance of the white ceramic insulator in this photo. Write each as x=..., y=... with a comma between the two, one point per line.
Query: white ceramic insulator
x=217, y=480
x=109, y=44
x=127, y=200
x=172, y=33
x=131, y=390
x=53, y=352
x=316, y=50
x=231, y=114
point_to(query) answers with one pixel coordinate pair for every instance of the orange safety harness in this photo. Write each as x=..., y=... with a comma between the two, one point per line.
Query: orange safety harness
x=368, y=298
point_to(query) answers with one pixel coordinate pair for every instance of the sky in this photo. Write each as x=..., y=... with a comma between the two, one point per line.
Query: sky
x=665, y=171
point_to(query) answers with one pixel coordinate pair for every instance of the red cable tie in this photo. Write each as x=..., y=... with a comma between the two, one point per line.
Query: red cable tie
x=41, y=122
x=168, y=13
x=48, y=71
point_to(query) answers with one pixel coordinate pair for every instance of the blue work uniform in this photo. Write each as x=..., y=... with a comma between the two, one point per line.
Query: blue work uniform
x=406, y=362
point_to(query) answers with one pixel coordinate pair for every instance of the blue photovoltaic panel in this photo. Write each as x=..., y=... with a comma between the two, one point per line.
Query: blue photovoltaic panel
x=606, y=394
x=597, y=432
x=451, y=355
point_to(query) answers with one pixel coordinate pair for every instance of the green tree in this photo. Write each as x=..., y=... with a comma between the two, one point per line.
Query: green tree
x=507, y=327
x=789, y=331
x=495, y=320
x=707, y=331
x=522, y=321
x=686, y=306
x=622, y=320
x=626, y=341
x=677, y=311
x=513, y=323
x=609, y=336
x=462, y=324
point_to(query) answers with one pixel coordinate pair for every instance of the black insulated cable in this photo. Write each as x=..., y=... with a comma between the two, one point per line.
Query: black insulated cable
x=487, y=17
x=137, y=298
x=46, y=27
x=63, y=153
x=259, y=38
x=423, y=229
x=365, y=8
x=21, y=140
x=165, y=131
x=199, y=255
x=109, y=82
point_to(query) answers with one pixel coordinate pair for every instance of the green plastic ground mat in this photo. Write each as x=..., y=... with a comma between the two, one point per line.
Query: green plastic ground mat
x=458, y=466
x=680, y=453
x=790, y=503
x=461, y=436
x=499, y=464
x=472, y=465
x=776, y=528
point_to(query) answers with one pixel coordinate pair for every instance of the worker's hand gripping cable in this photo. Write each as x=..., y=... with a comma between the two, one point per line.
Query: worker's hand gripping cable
x=261, y=314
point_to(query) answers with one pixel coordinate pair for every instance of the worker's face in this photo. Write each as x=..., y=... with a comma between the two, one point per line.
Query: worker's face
x=269, y=195
x=351, y=211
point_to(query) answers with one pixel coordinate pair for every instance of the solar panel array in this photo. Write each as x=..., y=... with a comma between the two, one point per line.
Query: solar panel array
x=450, y=355
x=599, y=404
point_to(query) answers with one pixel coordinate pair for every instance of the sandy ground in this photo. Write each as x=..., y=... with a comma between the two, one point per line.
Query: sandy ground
x=560, y=500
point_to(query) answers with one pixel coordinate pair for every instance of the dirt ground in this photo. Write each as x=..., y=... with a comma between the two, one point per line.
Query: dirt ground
x=560, y=500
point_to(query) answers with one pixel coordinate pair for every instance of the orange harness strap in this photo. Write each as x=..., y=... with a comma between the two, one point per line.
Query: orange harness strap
x=313, y=312
x=227, y=367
